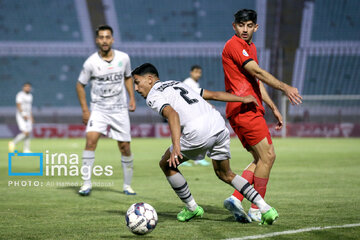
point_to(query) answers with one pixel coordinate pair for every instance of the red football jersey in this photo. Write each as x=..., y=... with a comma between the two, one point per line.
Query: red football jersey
x=238, y=81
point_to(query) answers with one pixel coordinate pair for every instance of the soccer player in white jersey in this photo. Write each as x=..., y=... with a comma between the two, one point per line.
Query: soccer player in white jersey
x=109, y=73
x=196, y=129
x=193, y=82
x=24, y=118
x=195, y=75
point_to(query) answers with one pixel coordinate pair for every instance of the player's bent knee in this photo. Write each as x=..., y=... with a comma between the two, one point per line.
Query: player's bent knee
x=163, y=164
x=125, y=149
x=271, y=157
x=268, y=158
x=91, y=145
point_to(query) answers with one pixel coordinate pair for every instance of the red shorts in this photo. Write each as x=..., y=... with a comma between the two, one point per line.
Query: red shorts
x=250, y=128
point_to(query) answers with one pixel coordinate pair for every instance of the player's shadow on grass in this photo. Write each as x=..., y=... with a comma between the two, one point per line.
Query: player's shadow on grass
x=98, y=189
x=211, y=209
x=162, y=216
x=136, y=236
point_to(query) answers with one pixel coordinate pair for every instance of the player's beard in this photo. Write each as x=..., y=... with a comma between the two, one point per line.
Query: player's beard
x=104, y=50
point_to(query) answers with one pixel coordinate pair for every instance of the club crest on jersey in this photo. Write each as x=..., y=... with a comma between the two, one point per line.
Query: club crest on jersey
x=151, y=103
x=245, y=53
x=120, y=64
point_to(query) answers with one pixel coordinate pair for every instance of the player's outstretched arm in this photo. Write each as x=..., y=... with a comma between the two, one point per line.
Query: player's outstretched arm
x=80, y=89
x=174, y=122
x=227, y=97
x=292, y=93
x=129, y=84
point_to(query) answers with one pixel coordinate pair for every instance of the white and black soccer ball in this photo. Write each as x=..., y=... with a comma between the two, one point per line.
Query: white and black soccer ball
x=141, y=218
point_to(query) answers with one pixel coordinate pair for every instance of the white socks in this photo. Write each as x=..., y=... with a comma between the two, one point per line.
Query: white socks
x=249, y=192
x=27, y=143
x=127, y=165
x=179, y=184
x=88, y=162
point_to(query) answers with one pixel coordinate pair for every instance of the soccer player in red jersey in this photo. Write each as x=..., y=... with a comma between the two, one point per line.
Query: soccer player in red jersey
x=243, y=76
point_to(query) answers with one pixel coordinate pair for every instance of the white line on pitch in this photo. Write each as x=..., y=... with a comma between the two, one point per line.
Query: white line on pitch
x=294, y=231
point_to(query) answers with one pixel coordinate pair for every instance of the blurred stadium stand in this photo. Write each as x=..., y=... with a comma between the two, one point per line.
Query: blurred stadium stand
x=52, y=77
x=335, y=21
x=326, y=69
x=43, y=22
x=180, y=21
x=57, y=18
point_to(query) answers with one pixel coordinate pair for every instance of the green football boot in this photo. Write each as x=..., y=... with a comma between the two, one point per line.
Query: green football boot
x=269, y=217
x=185, y=214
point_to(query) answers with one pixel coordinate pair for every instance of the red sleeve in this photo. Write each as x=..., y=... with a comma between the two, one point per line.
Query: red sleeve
x=240, y=54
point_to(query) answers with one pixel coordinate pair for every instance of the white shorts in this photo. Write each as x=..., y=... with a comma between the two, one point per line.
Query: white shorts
x=24, y=125
x=216, y=147
x=115, y=125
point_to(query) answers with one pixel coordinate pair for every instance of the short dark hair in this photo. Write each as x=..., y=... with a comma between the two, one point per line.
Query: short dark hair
x=145, y=69
x=245, y=15
x=27, y=83
x=195, y=67
x=102, y=28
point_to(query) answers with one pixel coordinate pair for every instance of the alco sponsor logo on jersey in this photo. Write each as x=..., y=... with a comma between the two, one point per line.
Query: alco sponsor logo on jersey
x=118, y=76
x=245, y=53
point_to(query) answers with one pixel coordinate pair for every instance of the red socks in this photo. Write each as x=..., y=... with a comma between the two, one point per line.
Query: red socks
x=249, y=176
x=260, y=187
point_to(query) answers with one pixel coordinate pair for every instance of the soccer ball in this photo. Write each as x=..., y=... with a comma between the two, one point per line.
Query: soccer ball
x=141, y=218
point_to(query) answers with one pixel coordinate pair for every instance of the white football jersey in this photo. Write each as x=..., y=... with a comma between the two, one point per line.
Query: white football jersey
x=108, y=90
x=192, y=83
x=198, y=119
x=25, y=101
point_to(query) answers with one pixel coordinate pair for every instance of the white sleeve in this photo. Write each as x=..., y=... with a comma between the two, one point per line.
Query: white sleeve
x=18, y=97
x=157, y=102
x=85, y=73
x=199, y=91
x=186, y=81
x=127, y=72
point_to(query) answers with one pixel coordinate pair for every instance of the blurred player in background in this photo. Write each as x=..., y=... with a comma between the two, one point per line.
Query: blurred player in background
x=24, y=118
x=109, y=73
x=193, y=82
x=195, y=75
x=196, y=129
x=243, y=76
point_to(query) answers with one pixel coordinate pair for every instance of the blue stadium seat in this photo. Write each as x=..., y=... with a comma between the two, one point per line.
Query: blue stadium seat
x=335, y=20
x=332, y=75
x=41, y=20
x=177, y=21
x=53, y=79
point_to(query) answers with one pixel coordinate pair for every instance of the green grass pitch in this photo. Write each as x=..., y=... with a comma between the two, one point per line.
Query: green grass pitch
x=314, y=183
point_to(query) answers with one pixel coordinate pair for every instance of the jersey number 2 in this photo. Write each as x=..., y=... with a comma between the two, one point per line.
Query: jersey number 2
x=183, y=93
